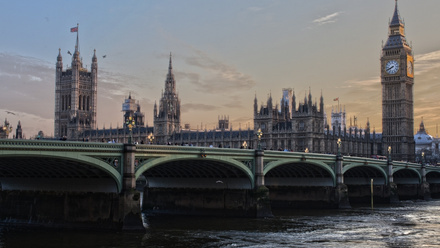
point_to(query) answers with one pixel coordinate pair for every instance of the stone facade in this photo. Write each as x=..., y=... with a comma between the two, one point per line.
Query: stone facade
x=75, y=96
x=397, y=77
x=167, y=117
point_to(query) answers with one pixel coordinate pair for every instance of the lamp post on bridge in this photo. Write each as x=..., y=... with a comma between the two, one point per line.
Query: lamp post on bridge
x=339, y=164
x=341, y=192
x=259, y=135
x=339, y=142
x=389, y=154
x=423, y=168
x=130, y=124
x=390, y=167
x=150, y=138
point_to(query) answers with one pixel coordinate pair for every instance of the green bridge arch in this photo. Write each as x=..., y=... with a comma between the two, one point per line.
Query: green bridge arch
x=70, y=156
x=152, y=162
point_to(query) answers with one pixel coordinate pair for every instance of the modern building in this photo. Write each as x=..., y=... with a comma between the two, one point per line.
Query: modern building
x=132, y=111
x=140, y=133
x=338, y=119
x=75, y=96
x=427, y=147
x=397, y=78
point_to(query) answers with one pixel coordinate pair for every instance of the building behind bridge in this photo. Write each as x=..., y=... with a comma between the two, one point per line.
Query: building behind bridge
x=290, y=126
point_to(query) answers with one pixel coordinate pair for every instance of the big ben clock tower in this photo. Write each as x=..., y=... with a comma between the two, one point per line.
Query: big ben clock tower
x=397, y=78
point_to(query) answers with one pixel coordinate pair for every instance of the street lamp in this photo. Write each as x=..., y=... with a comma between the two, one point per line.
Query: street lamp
x=130, y=124
x=7, y=129
x=339, y=142
x=389, y=153
x=259, y=134
x=244, y=144
x=151, y=138
x=423, y=158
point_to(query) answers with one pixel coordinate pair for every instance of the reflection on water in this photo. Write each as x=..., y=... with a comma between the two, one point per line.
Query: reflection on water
x=409, y=224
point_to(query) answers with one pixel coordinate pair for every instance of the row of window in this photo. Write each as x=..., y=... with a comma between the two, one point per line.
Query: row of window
x=84, y=102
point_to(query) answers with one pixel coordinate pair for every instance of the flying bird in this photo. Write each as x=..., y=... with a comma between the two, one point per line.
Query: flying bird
x=9, y=112
x=104, y=56
x=69, y=52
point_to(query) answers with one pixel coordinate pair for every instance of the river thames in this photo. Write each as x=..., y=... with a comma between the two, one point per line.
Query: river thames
x=407, y=224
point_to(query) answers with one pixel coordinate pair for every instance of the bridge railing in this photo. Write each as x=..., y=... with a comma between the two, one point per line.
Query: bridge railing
x=193, y=150
x=7, y=144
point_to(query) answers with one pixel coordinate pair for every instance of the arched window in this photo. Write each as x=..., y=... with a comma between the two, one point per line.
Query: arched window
x=70, y=102
x=62, y=102
x=88, y=102
x=79, y=105
x=84, y=103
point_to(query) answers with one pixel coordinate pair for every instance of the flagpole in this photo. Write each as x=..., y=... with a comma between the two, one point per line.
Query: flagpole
x=77, y=35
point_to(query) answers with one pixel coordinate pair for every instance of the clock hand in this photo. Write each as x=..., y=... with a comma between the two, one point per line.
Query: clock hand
x=389, y=68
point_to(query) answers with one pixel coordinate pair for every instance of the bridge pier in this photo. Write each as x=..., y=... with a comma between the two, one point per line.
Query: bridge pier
x=424, y=190
x=261, y=192
x=129, y=198
x=392, y=187
x=341, y=191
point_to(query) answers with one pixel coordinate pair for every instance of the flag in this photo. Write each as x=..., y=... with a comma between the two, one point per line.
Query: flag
x=336, y=99
x=75, y=29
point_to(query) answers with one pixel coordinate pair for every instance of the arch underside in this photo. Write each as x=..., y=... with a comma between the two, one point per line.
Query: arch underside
x=433, y=177
x=298, y=174
x=53, y=174
x=362, y=175
x=196, y=173
x=406, y=176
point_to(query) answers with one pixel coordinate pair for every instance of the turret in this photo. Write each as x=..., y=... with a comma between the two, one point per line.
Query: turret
x=255, y=105
x=293, y=102
x=269, y=102
x=18, y=131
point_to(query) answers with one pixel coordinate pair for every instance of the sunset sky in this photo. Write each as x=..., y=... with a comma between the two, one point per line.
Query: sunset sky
x=224, y=53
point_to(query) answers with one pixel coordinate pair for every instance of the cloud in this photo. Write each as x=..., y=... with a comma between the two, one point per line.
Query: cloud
x=189, y=107
x=369, y=85
x=254, y=9
x=216, y=77
x=426, y=62
x=327, y=19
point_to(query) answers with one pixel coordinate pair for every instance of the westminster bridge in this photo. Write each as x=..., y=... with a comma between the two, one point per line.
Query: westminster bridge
x=48, y=182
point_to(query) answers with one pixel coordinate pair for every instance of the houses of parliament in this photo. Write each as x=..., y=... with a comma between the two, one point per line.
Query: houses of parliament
x=290, y=124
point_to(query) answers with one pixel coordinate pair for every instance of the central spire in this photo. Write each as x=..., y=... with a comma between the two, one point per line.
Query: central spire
x=396, y=20
x=170, y=83
x=170, y=67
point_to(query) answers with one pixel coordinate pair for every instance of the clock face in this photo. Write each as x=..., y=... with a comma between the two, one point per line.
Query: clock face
x=392, y=67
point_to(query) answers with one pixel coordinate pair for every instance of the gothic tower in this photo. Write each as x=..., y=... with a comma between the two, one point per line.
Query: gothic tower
x=397, y=78
x=75, y=96
x=19, y=131
x=167, y=117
